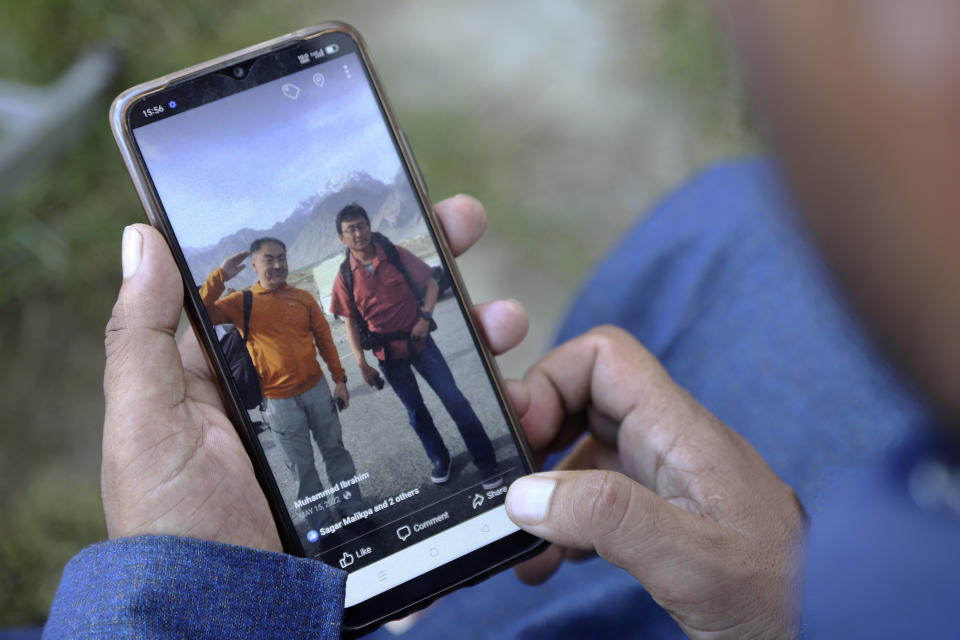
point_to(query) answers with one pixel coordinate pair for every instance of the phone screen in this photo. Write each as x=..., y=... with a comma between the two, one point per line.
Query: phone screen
x=254, y=167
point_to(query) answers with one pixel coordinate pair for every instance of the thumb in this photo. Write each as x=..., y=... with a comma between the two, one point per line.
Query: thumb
x=622, y=520
x=143, y=378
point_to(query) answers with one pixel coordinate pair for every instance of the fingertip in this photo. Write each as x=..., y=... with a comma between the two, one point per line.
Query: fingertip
x=131, y=251
x=511, y=309
x=464, y=220
x=465, y=205
x=154, y=252
x=504, y=322
x=152, y=289
x=149, y=234
x=528, y=500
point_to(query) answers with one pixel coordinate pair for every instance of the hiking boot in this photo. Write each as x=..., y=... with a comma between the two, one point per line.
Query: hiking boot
x=491, y=479
x=441, y=471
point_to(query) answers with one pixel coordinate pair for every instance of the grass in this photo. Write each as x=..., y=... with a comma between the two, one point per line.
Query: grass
x=697, y=64
x=43, y=525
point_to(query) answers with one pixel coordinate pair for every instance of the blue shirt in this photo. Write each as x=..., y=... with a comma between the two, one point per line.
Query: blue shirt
x=883, y=559
x=719, y=282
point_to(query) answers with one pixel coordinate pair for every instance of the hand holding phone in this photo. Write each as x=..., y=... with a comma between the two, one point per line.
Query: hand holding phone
x=341, y=396
x=180, y=412
x=371, y=376
x=142, y=354
x=248, y=161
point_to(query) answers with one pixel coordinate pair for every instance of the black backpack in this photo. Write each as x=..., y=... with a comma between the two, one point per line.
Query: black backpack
x=370, y=340
x=234, y=347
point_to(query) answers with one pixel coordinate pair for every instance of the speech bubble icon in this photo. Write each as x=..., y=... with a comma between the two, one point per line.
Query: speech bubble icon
x=403, y=533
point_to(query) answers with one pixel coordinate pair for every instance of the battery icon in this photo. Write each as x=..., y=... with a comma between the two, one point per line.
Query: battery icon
x=331, y=49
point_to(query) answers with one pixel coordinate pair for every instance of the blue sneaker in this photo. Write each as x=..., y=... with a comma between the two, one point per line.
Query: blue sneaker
x=492, y=483
x=441, y=471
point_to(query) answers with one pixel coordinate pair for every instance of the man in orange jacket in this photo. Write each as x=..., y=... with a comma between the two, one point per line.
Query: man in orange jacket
x=287, y=330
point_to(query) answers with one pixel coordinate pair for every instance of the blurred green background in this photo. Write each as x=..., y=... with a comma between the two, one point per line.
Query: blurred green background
x=566, y=117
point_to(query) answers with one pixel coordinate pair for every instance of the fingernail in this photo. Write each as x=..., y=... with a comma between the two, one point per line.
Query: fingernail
x=529, y=499
x=131, y=251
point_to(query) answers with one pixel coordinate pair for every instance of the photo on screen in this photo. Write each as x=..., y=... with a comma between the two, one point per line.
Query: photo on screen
x=252, y=185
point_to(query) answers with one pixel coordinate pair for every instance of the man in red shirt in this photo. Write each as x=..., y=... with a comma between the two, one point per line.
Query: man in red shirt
x=287, y=330
x=391, y=301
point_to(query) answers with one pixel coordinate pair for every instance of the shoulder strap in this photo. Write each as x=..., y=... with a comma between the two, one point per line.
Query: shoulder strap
x=247, y=309
x=393, y=256
x=347, y=274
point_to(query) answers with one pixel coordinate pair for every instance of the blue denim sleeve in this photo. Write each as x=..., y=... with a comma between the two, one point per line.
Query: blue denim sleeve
x=169, y=587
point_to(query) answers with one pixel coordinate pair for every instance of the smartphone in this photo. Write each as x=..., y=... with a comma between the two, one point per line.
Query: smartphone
x=376, y=420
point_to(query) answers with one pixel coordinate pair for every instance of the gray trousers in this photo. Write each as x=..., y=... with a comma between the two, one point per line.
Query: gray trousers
x=292, y=420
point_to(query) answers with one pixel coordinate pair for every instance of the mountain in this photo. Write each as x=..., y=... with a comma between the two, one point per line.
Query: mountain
x=399, y=214
x=309, y=232
x=203, y=260
x=318, y=238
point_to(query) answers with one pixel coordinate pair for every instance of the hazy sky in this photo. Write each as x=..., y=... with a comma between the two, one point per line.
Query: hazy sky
x=248, y=160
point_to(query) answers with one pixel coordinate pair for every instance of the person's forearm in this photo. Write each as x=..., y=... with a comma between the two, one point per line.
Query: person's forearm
x=323, y=338
x=353, y=337
x=210, y=292
x=213, y=286
x=430, y=296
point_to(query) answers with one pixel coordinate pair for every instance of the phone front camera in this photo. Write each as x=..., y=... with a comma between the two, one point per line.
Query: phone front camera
x=239, y=72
